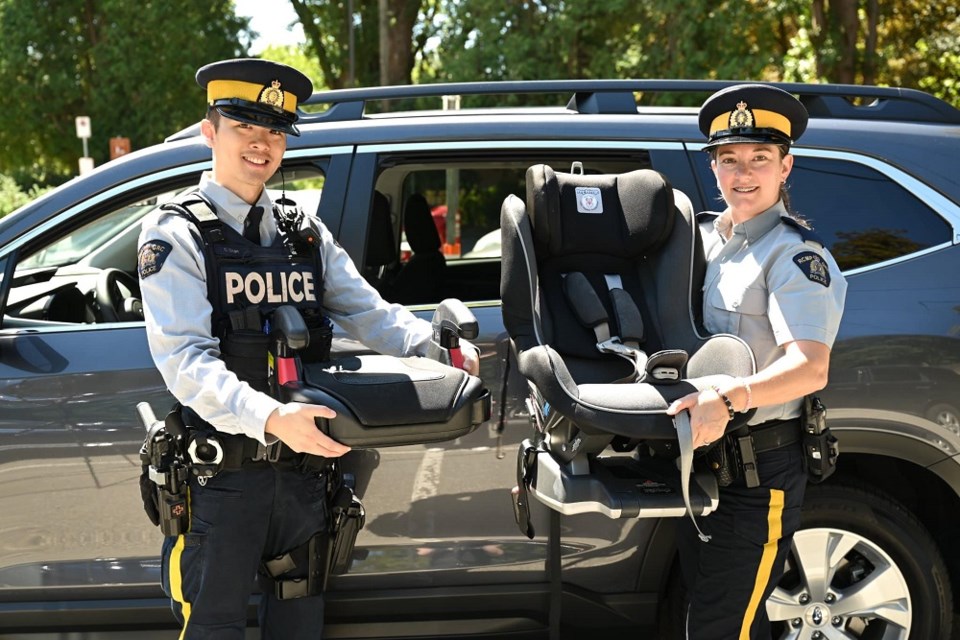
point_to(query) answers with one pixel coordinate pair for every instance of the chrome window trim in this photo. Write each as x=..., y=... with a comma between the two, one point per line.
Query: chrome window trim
x=656, y=145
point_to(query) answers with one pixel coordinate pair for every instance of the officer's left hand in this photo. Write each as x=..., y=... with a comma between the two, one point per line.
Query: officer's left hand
x=471, y=358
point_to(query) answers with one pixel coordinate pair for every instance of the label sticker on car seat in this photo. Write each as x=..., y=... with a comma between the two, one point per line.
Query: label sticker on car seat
x=588, y=200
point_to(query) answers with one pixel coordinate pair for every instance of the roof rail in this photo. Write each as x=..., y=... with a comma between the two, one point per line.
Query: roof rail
x=616, y=97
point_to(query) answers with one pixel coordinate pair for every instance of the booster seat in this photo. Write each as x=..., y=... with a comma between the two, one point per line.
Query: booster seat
x=384, y=401
x=600, y=285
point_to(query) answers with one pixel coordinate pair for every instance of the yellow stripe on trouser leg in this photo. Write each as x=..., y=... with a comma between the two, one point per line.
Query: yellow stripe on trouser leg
x=176, y=583
x=176, y=576
x=774, y=532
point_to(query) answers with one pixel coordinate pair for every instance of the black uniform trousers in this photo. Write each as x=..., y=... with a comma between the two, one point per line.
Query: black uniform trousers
x=730, y=577
x=237, y=519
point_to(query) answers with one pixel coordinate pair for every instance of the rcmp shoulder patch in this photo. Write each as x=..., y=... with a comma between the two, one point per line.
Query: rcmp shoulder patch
x=151, y=256
x=813, y=266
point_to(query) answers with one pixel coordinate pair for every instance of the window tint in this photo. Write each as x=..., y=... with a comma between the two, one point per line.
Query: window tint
x=862, y=215
x=474, y=184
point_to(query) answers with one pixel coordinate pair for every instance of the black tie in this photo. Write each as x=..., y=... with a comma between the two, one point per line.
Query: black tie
x=251, y=226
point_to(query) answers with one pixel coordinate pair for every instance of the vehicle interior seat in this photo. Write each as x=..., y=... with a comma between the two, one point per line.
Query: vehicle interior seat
x=381, y=256
x=600, y=285
x=422, y=278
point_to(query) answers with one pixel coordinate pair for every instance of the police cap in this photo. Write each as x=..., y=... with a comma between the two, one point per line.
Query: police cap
x=752, y=113
x=257, y=92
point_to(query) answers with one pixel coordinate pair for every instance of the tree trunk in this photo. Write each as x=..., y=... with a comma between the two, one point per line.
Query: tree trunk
x=396, y=21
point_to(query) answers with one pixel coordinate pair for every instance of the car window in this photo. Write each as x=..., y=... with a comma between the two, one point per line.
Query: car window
x=59, y=276
x=74, y=246
x=863, y=216
x=469, y=241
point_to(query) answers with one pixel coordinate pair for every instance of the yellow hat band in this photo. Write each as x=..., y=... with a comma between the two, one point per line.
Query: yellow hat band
x=271, y=95
x=753, y=118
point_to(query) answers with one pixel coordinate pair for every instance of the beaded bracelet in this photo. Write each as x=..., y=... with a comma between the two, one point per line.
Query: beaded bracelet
x=725, y=399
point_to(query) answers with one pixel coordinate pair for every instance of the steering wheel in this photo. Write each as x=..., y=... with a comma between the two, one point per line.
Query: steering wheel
x=115, y=305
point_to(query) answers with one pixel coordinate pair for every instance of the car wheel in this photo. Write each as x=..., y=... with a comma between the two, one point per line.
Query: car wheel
x=946, y=416
x=861, y=566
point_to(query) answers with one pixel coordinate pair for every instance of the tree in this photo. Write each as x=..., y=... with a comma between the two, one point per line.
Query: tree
x=128, y=66
x=327, y=26
x=903, y=43
x=532, y=40
x=388, y=36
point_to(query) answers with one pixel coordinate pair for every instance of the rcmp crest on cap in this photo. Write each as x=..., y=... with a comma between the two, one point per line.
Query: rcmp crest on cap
x=257, y=92
x=272, y=95
x=741, y=116
x=756, y=113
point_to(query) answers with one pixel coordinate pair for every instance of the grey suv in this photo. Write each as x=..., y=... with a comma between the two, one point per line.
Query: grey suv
x=878, y=174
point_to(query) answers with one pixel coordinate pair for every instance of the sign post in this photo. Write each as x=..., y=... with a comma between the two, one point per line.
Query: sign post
x=83, y=132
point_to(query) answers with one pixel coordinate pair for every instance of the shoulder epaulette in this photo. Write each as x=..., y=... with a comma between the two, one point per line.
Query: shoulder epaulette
x=806, y=233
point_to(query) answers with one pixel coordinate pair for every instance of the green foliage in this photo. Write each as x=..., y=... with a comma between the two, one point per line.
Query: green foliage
x=12, y=197
x=129, y=66
x=326, y=27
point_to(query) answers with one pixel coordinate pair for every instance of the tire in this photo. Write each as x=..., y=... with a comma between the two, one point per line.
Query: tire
x=945, y=415
x=861, y=566
x=881, y=539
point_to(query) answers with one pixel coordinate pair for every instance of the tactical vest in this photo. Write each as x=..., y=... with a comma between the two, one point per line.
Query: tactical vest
x=245, y=282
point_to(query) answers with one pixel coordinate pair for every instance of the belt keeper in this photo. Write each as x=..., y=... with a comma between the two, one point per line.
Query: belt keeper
x=749, y=461
x=290, y=589
x=270, y=453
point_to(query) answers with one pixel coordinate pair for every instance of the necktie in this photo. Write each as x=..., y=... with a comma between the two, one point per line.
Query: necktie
x=251, y=226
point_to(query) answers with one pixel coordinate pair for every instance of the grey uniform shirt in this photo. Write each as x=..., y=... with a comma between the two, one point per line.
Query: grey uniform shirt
x=770, y=287
x=178, y=314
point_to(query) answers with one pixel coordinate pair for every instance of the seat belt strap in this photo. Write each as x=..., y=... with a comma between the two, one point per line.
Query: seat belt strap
x=592, y=314
x=685, y=437
x=630, y=325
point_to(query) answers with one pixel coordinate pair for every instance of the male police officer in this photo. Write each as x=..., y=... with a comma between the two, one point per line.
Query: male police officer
x=212, y=267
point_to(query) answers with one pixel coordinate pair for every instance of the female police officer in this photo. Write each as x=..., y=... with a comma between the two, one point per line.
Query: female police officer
x=198, y=293
x=771, y=282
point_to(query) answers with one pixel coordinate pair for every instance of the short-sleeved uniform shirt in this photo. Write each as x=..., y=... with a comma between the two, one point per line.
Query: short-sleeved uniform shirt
x=770, y=286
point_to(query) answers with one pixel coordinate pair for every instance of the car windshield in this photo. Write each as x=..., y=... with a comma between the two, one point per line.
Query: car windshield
x=74, y=246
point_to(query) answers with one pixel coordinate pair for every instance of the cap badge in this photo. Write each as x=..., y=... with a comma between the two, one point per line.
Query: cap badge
x=272, y=95
x=741, y=117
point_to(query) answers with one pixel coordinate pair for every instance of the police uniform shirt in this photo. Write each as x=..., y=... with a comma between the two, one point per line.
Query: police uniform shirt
x=770, y=287
x=178, y=314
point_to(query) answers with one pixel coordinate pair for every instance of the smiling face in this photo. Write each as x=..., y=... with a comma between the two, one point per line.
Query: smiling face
x=244, y=156
x=749, y=176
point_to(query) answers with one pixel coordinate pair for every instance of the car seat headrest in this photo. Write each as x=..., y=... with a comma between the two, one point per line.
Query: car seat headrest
x=626, y=215
x=381, y=247
x=422, y=234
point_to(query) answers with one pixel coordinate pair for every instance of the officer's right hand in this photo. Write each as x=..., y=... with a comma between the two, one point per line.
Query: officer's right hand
x=293, y=423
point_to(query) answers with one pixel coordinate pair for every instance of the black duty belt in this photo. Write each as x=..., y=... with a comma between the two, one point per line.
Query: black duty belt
x=239, y=450
x=775, y=434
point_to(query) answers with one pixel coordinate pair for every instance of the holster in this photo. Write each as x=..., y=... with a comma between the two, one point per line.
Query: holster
x=347, y=518
x=723, y=459
x=820, y=447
